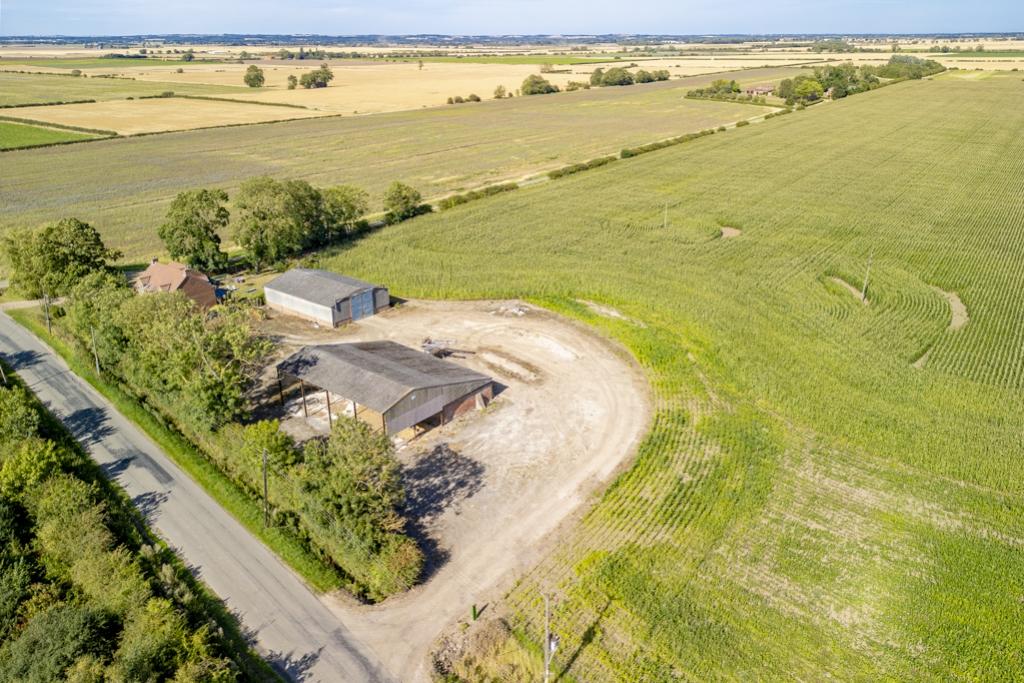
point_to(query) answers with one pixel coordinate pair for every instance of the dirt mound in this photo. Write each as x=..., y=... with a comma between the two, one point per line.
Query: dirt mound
x=608, y=311
x=728, y=232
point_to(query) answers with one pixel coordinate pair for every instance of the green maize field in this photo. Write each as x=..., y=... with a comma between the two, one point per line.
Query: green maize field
x=807, y=504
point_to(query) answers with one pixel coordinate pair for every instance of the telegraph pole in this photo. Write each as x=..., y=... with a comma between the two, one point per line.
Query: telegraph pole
x=46, y=308
x=95, y=354
x=266, y=503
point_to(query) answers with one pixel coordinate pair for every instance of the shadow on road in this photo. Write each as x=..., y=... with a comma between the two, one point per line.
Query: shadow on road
x=88, y=425
x=436, y=482
x=294, y=668
x=23, y=359
x=149, y=503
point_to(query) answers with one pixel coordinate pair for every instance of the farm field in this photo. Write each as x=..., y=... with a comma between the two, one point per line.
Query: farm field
x=17, y=88
x=15, y=135
x=98, y=62
x=131, y=117
x=124, y=186
x=812, y=501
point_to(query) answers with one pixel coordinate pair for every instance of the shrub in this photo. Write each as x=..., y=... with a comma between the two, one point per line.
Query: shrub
x=473, y=98
x=457, y=199
x=744, y=122
x=536, y=85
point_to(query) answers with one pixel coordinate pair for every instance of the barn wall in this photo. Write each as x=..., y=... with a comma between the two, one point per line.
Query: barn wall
x=468, y=402
x=381, y=299
x=292, y=305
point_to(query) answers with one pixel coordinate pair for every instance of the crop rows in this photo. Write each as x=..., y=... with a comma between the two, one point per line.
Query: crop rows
x=806, y=503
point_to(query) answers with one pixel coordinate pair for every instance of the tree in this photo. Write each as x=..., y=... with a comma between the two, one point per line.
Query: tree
x=318, y=78
x=472, y=98
x=344, y=208
x=537, y=85
x=51, y=260
x=53, y=641
x=809, y=90
x=401, y=202
x=266, y=435
x=191, y=230
x=278, y=219
x=617, y=76
x=292, y=81
x=499, y=92
x=597, y=77
x=642, y=76
x=188, y=55
x=18, y=417
x=785, y=89
x=254, y=76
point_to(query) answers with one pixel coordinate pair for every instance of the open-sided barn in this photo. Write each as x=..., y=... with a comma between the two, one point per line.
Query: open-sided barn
x=325, y=297
x=402, y=387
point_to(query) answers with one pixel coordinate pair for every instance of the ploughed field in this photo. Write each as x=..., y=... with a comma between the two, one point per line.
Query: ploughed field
x=124, y=186
x=811, y=499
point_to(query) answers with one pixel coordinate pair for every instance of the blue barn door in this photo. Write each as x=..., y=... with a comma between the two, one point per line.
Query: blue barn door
x=362, y=304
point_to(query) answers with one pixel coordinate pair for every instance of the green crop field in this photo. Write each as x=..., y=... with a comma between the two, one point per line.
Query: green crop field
x=982, y=54
x=807, y=505
x=17, y=88
x=563, y=60
x=14, y=135
x=123, y=186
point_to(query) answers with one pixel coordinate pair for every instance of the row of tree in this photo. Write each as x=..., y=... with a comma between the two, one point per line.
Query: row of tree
x=275, y=219
x=619, y=76
x=82, y=595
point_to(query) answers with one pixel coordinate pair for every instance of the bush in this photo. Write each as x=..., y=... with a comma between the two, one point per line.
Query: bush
x=457, y=199
x=576, y=168
x=536, y=85
x=744, y=122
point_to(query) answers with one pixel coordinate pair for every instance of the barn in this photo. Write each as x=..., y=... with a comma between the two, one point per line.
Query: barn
x=324, y=297
x=390, y=386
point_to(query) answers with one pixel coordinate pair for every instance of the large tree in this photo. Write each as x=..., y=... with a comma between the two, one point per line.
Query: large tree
x=254, y=76
x=51, y=260
x=192, y=226
x=344, y=207
x=537, y=85
x=266, y=226
x=401, y=202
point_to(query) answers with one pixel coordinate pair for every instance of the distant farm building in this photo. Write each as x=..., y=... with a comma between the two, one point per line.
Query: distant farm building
x=760, y=90
x=324, y=297
x=177, y=277
x=390, y=386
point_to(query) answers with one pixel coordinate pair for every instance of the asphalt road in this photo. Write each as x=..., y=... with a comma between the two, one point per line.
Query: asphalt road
x=297, y=633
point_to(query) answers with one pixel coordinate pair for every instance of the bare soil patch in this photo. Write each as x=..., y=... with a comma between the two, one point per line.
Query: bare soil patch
x=958, y=316
x=728, y=232
x=488, y=489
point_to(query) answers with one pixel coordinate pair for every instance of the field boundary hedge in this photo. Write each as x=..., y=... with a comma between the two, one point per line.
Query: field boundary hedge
x=61, y=126
x=44, y=104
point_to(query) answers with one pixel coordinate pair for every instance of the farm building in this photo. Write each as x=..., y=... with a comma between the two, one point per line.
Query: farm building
x=177, y=277
x=393, y=387
x=760, y=90
x=324, y=297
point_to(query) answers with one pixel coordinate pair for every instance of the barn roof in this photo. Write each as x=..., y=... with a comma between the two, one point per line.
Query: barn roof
x=376, y=374
x=317, y=286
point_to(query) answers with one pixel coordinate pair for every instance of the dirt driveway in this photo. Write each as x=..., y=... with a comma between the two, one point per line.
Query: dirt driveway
x=488, y=488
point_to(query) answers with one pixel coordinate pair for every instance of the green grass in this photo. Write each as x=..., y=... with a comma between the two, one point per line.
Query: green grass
x=561, y=60
x=975, y=54
x=19, y=89
x=15, y=135
x=806, y=505
x=124, y=187
x=98, y=62
x=243, y=508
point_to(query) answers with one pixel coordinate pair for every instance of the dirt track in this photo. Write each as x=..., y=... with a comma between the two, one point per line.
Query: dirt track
x=487, y=489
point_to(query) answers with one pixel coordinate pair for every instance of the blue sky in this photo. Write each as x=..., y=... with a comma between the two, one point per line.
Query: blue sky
x=112, y=17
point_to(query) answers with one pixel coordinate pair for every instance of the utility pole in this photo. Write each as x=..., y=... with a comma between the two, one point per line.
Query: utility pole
x=3, y=375
x=864, y=289
x=95, y=354
x=46, y=308
x=266, y=503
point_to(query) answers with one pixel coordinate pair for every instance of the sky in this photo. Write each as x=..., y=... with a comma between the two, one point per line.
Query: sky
x=395, y=17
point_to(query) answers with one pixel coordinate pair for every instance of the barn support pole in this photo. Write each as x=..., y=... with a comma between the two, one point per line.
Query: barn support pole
x=355, y=411
x=330, y=419
x=383, y=424
x=280, y=390
x=302, y=389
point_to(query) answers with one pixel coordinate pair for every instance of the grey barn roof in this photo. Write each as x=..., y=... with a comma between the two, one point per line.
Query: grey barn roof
x=375, y=374
x=318, y=286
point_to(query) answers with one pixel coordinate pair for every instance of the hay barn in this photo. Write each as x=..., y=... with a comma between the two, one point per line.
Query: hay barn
x=324, y=297
x=390, y=386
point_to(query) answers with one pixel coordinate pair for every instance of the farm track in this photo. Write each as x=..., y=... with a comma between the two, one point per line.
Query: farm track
x=806, y=503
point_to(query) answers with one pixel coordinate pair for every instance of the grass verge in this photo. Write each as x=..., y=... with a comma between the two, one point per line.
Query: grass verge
x=248, y=512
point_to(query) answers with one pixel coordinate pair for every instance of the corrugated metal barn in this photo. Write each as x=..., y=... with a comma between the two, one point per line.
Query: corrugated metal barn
x=400, y=387
x=325, y=297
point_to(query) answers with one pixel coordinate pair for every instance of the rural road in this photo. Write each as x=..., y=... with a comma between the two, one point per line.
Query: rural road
x=292, y=628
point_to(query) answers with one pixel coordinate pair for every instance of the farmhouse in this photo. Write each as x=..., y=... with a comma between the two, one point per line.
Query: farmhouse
x=177, y=277
x=760, y=90
x=324, y=297
x=388, y=385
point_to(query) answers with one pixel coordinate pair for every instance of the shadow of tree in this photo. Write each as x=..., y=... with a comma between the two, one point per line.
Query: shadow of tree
x=149, y=503
x=88, y=425
x=23, y=359
x=292, y=667
x=436, y=482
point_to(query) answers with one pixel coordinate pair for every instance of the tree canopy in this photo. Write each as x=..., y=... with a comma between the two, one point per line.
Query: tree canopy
x=254, y=76
x=52, y=259
x=401, y=202
x=537, y=85
x=318, y=78
x=191, y=231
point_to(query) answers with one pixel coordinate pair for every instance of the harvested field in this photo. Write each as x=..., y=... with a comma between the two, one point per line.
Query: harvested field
x=438, y=151
x=807, y=504
x=130, y=117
